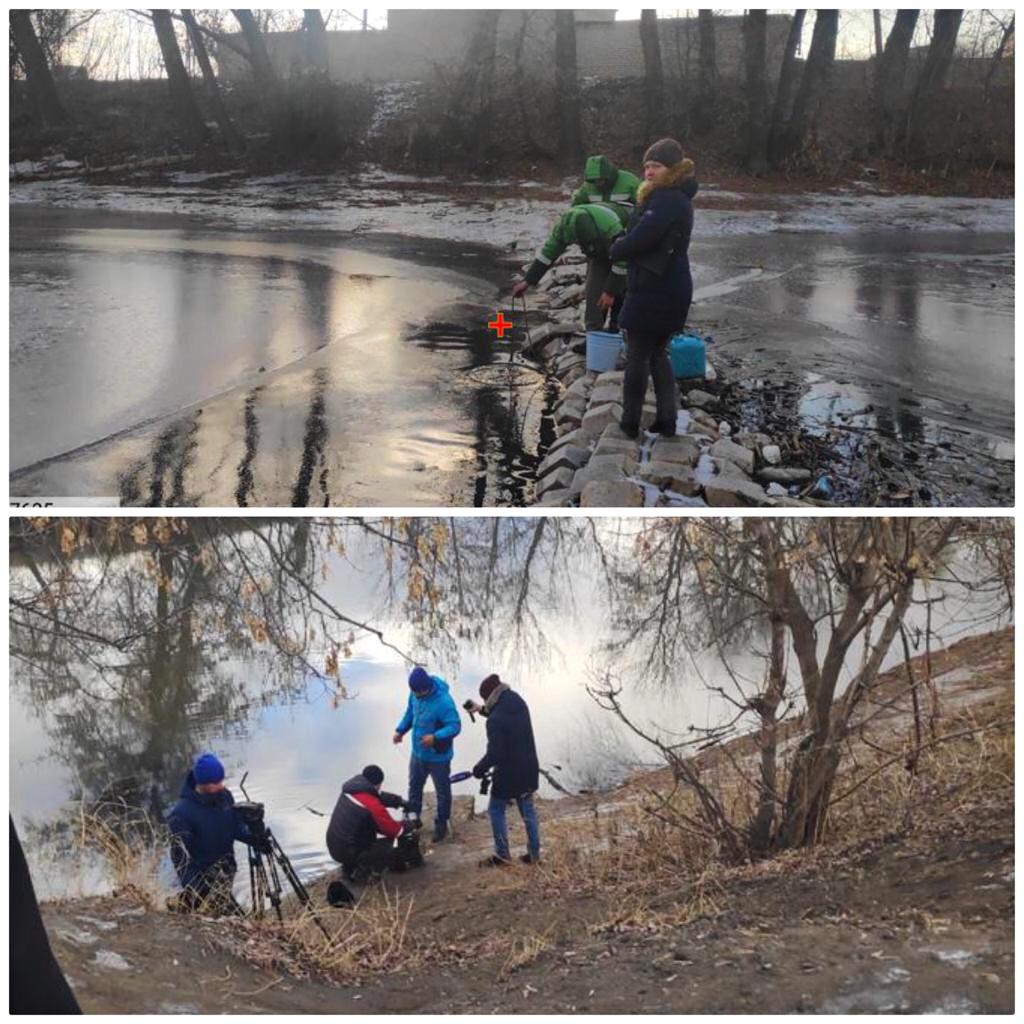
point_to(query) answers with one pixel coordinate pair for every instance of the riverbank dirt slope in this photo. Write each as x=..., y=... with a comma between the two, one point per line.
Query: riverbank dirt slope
x=910, y=911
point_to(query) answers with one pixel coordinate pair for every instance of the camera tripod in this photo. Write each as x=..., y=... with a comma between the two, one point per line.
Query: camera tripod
x=267, y=863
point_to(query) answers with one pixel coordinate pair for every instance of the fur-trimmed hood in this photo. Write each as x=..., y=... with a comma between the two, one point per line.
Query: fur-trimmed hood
x=680, y=176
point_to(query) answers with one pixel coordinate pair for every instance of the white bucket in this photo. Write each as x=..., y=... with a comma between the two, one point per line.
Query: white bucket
x=603, y=350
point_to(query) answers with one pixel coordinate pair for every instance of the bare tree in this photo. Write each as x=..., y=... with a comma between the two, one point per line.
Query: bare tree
x=42, y=88
x=654, y=79
x=704, y=112
x=567, y=88
x=755, y=43
x=185, y=107
x=470, y=105
x=814, y=81
x=232, y=137
x=890, y=78
x=931, y=83
x=784, y=89
x=259, y=58
x=876, y=17
x=815, y=587
x=315, y=37
x=1004, y=41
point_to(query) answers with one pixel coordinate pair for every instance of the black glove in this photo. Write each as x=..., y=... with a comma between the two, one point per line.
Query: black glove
x=478, y=772
x=262, y=843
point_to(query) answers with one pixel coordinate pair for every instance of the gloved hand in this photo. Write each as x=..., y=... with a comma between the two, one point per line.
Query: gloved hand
x=478, y=772
x=263, y=845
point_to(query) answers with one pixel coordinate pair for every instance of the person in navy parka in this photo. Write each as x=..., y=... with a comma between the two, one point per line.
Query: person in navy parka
x=204, y=827
x=512, y=757
x=659, y=287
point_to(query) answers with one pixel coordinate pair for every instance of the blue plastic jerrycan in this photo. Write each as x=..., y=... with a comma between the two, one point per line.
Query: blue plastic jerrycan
x=687, y=355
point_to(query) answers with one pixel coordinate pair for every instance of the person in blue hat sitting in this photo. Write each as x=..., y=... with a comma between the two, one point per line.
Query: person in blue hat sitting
x=434, y=719
x=204, y=828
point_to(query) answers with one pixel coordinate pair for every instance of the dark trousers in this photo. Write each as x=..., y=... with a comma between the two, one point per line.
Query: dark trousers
x=439, y=771
x=210, y=893
x=380, y=856
x=647, y=356
x=594, y=317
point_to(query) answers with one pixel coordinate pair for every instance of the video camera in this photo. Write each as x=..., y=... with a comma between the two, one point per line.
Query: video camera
x=253, y=815
x=407, y=847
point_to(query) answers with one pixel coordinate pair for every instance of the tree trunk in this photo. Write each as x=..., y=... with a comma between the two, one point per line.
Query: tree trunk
x=654, y=79
x=533, y=147
x=877, y=18
x=890, y=76
x=755, y=44
x=817, y=760
x=784, y=90
x=704, y=112
x=567, y=89
x=232, y=137
x=998, y=55
x=926, y=107
x=811, y=93
x=469, y=111
x=41, y=87
x=259, y=58
x=315, y=38
x=185, y=107
x=760, y=829
x=810, y=787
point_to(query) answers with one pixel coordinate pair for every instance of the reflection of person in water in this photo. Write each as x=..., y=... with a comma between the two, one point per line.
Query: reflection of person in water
x=37, y=983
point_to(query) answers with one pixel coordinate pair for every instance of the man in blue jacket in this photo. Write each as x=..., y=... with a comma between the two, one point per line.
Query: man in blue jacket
x=204, y=827
x=512, y=757
x=434, y=719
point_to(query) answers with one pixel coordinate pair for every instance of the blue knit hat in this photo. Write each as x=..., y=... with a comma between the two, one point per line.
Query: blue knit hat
x=207, y=769
x=420, y=681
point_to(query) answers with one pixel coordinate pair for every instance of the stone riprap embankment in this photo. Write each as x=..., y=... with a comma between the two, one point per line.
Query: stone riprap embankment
x=593, y=464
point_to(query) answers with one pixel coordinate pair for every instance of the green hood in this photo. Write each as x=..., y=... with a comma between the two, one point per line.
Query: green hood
x=600, y=168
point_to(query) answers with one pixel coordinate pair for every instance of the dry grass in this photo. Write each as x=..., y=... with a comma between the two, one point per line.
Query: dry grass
x=525, y=949
x=131, y=845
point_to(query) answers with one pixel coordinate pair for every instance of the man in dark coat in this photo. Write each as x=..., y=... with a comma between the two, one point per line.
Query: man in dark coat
x=204, y=827
x=361, y=834
x=38, y=985
x=659, y=287
x=512, y=757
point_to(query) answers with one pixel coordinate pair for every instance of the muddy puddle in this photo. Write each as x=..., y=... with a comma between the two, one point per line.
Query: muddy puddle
x=168, y=361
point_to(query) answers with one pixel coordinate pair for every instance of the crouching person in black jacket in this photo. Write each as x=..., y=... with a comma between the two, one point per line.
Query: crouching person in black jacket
x=363, y=837
x=512, y=756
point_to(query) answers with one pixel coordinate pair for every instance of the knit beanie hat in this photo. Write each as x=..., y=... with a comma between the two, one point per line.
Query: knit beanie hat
x=419, y=680
x=373, y=775
x=665, y=151
x=488, y=686
x=207, y=769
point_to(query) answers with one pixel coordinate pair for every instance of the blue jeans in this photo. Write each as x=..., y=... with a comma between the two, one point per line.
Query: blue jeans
x=496, y=811
x=419, y=772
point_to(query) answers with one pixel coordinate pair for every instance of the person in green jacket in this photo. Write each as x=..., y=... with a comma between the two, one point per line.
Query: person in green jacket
x=604, y=183
x=593, y=227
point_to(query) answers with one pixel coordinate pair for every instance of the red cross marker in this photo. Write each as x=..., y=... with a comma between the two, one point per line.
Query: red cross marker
x=500, y=325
